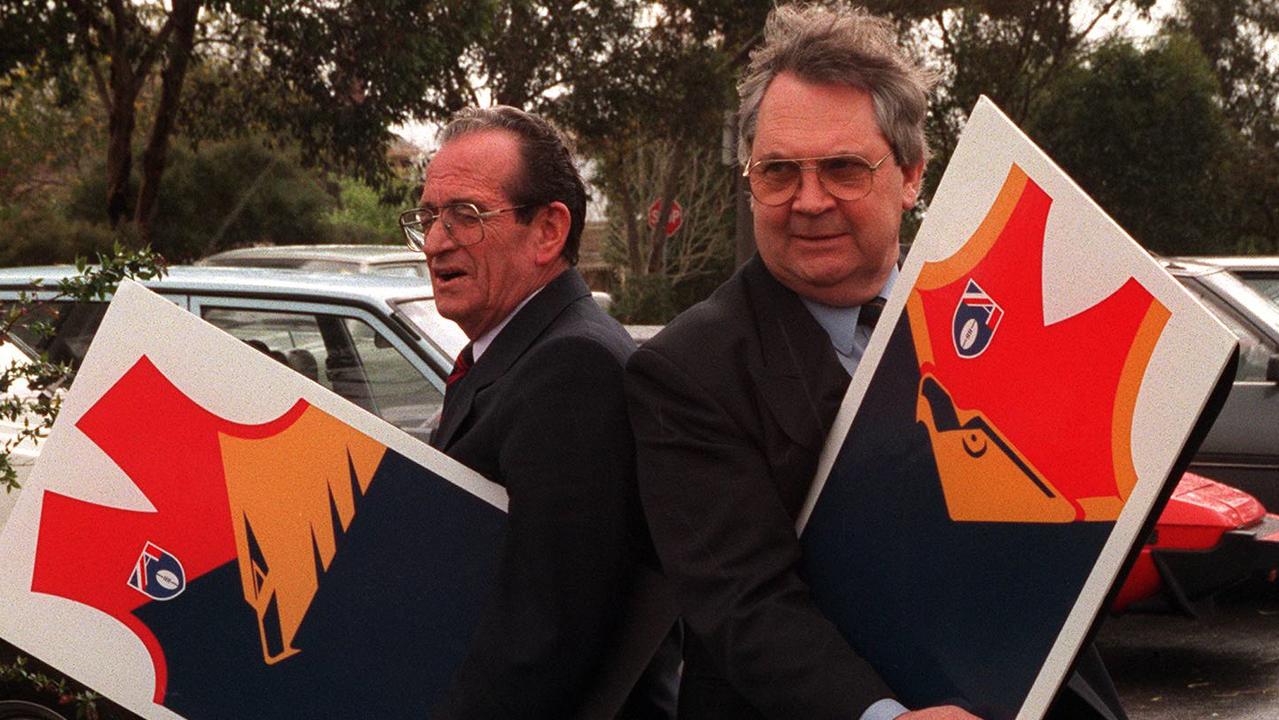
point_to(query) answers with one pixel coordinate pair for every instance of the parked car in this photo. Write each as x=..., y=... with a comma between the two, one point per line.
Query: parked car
x=378, y=341
x=364, y=259
x=1242, y=447
x=361, y=259
x=1259, y=272
x=1209, y=537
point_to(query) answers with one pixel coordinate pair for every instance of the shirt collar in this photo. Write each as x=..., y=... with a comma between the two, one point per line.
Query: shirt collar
x=840, y=323
x=481, y=343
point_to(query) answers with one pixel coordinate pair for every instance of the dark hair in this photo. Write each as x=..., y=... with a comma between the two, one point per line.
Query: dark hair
x=547, y=173
x=846, y=46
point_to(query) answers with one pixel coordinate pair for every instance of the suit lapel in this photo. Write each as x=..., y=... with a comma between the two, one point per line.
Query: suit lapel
x=511, y=343
x=801, y=381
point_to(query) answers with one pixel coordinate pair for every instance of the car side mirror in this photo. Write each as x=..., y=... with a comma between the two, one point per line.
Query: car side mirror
x=1272, y=369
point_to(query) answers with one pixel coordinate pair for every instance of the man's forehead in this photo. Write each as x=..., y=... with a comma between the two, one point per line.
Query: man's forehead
x=476, y=167
x=798, y=118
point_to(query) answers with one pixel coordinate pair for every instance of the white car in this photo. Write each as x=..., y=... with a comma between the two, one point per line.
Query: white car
x=361, y=259
x=375, y=340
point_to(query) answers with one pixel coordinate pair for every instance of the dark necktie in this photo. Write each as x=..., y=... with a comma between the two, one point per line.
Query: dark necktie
x=460, y=367
x=870, y=312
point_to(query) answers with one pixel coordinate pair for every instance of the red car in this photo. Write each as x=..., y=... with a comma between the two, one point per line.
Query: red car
x=1209, y=537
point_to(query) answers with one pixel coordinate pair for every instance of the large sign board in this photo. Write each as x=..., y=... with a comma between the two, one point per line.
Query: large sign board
x=208, y=534
x=1013, y=425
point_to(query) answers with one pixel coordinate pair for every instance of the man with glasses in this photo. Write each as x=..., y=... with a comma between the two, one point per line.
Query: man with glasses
x=536, y=404
x=732, y=402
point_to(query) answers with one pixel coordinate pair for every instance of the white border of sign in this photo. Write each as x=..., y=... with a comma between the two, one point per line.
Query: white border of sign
x=222, y=375
x=1087, y=256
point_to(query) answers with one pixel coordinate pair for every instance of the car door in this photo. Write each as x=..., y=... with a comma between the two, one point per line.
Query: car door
x=346, y=349
x=1242, y=447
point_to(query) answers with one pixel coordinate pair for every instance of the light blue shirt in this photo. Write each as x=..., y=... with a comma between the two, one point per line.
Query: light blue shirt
x=840, y=323
x=850, y=340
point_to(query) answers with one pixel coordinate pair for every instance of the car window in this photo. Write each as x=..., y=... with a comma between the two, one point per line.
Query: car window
x=405, y=270
x=73, y=326
x=402, y=396
x=1267, y=286
x=345, y=355
x=1254, y=351
x=443, y=334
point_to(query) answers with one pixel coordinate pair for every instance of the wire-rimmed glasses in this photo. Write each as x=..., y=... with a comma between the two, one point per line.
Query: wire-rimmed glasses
x=463, y=222
x=774, y=181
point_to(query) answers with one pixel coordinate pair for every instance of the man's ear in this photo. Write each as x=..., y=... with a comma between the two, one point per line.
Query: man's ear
x=551, y=232
x=912, y=178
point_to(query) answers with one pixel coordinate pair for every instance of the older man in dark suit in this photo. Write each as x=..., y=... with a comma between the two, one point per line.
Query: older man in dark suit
x=534, y=403
x=731, y=403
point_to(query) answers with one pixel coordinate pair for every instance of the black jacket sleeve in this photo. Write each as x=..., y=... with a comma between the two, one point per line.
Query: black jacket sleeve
x=727, y=542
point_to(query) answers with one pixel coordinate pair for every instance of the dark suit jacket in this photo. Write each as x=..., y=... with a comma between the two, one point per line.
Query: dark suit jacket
x=731, y=405
x=542, y=412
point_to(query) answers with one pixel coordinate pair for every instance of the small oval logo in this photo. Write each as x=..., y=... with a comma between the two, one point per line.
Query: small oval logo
x=976, y=318
x=157, y=574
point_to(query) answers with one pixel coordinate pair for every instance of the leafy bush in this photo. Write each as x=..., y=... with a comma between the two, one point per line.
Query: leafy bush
x=226, y=195
x=42, y=236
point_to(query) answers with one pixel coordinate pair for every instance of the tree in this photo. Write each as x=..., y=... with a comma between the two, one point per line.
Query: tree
x=1143, y=133
x=332, y=75
x=700, y=247
x=1011, y=52
x=1240, y=38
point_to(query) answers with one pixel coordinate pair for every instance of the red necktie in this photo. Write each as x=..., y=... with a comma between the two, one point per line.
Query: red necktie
x=460, y=367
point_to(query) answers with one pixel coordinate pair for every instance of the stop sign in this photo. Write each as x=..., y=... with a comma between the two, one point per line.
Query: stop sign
x=673, y=222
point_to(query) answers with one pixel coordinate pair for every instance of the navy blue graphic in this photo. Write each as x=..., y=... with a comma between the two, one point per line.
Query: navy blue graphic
x=946, y=612
x=388, y=627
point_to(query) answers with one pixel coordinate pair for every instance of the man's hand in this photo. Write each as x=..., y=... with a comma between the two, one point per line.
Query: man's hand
x=944, y=712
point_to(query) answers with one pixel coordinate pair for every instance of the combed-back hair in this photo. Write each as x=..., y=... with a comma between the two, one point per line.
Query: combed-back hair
x=547, y=173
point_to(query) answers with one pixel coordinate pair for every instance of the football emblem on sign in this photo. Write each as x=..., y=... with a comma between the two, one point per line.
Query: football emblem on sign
x=976, y=319
x=157, y=574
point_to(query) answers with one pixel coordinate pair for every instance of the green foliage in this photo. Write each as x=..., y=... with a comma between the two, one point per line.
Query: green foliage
x=20, y=672
x=361, y=217
x=228, y=194
x=1143, y=133
x=37, y=405
x=1240, y=38
x=44, y=136
x=645, y=300
x=40, y=235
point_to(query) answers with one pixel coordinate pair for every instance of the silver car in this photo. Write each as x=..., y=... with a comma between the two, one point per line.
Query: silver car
x=377, y=341
x=1259, y=272
x=1242, y=447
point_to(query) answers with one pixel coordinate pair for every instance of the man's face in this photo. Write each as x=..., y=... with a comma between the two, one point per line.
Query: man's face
x=835, y=252
x=477, y=286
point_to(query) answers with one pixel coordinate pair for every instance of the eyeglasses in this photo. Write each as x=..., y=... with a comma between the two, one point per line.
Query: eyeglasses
x=846, y=177
x=463, y=222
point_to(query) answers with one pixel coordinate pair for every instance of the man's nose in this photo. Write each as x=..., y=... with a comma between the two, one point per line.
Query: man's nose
x=437, y=239
x=811, y=196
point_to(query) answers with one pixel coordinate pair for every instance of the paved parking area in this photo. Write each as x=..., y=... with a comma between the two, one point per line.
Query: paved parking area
x=1223, y=665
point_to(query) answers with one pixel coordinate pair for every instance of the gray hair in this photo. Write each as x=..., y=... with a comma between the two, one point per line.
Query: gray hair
x=547, y=174
x=848, y=47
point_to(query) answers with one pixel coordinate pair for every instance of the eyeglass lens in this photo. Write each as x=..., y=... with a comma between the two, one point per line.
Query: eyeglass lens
x=463, y=224
x=846, y=177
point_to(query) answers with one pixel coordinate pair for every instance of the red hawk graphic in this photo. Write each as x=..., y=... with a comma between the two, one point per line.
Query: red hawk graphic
x=276, y=497
x=1029, y=422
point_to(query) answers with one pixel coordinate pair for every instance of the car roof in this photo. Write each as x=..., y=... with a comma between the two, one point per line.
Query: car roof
x=1186, y=266
x=1238, y=262
x=246, y=280
x=365, y=254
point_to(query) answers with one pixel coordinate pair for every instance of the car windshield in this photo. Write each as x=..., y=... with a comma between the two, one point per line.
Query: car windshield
x=1259, y=306
x=444, y=334
x=62, y=330
x=1267, y=286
